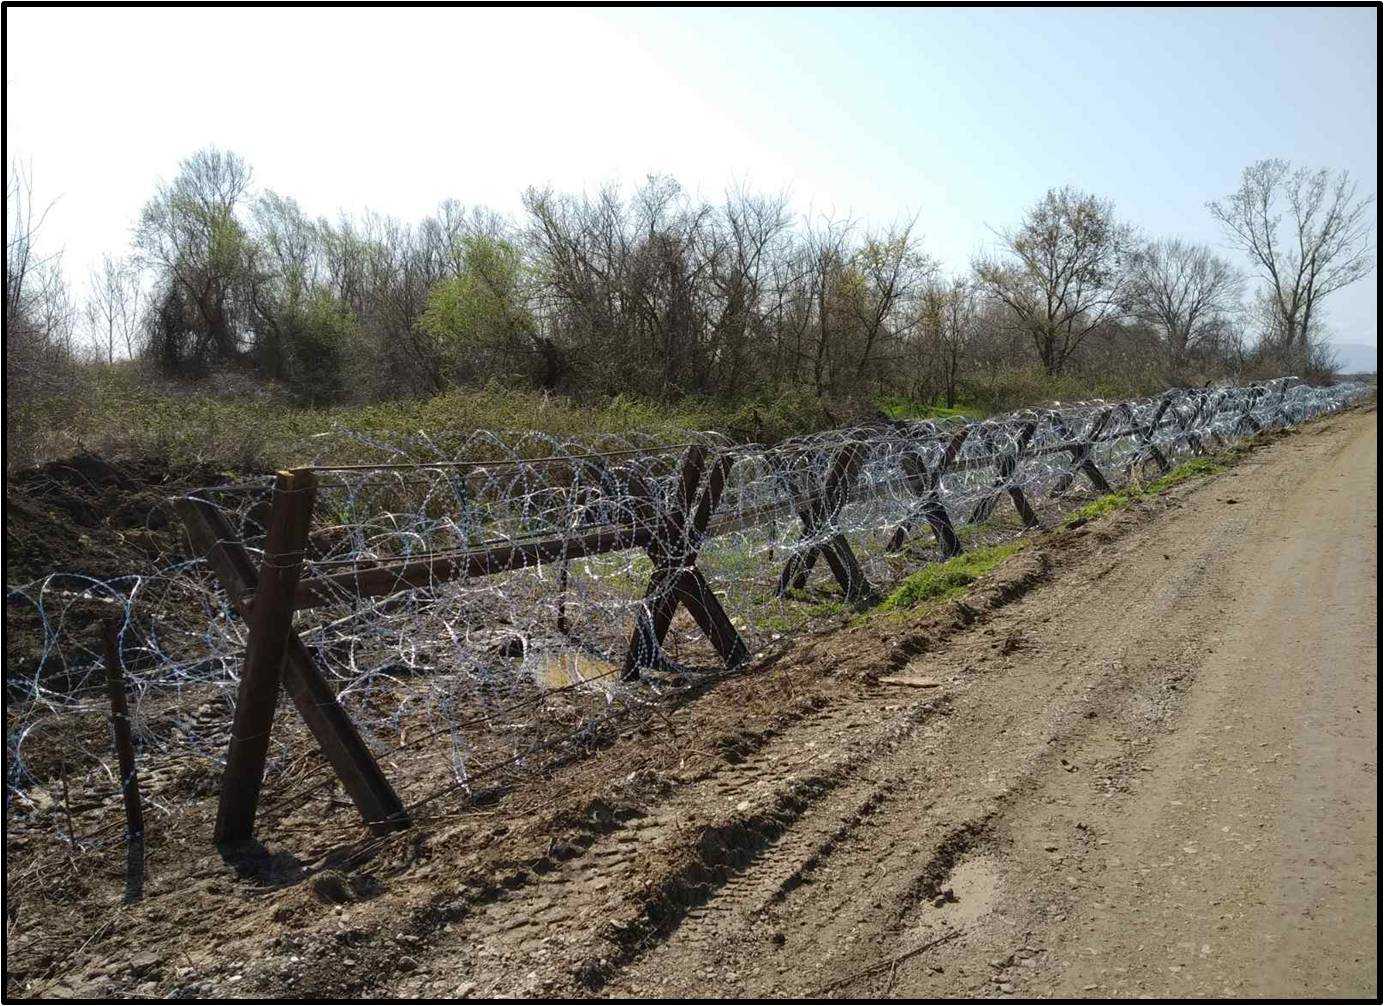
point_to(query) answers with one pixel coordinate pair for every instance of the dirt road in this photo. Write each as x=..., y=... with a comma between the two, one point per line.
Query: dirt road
x=1155, y=775
x=1142, y=759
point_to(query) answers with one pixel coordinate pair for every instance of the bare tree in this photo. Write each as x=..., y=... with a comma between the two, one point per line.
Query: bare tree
x=743, y=308
x=38, y=320
x=825, y=271
x=1323, y=245
x=1064, y=275
x=891, y=271
x=1184, y=291
x=113, y=306
x=950, y=317
x=36, y=298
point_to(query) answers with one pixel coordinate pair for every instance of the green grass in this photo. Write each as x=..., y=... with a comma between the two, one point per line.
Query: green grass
x=1100, y=507
x=942, y=581
x=1196, y=468
x=898, y=407
x=798, y=616
x=243, y=422
x=1188, y=470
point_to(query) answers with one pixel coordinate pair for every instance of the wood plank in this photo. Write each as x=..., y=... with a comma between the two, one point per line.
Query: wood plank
x=705, y=606
x=911, y=681
x=387, y=578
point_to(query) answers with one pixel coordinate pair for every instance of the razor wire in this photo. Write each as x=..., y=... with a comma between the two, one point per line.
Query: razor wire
x=509, y=573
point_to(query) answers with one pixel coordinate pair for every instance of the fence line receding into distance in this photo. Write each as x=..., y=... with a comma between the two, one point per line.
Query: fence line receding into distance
x=452, y=612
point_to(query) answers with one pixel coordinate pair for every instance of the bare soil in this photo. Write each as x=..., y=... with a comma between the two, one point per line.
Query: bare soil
x=1139, y=759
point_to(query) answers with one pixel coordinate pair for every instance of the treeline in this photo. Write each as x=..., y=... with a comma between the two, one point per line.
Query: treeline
x=658, y=294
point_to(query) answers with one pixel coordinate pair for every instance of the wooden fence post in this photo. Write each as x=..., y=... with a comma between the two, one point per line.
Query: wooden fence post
x=1217, y=403
x=333, y=729
x=125, y=759
x=675, y=579
x=1081, y=455
x=1246, y=417
x=1006, y=464
x=1187, y=425
x=271, y=622
x=1147, y=444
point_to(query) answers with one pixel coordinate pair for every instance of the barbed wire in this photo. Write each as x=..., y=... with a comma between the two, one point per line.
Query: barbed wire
x=481, y=603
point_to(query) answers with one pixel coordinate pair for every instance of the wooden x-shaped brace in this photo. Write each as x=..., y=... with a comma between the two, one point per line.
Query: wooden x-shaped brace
x=1006, y=463
x=676, y=579
x=1187, y=422
x=1081, y=454
x=818, y=513
x=1246, y=417
x=1148, y=448
x=925, y=483
x=275, y=655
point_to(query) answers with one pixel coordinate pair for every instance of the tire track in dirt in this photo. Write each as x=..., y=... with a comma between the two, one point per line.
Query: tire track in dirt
x=594, y=911
x=791, y=810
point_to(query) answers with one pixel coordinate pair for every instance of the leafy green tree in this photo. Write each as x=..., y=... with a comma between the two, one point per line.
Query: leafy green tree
x=479, y=320
x=202, y=257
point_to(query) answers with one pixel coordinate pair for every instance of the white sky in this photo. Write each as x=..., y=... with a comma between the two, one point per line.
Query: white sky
x=962, y=117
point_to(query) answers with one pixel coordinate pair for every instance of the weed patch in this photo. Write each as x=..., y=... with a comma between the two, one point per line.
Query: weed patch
x=1188, y=470
x=941, y=581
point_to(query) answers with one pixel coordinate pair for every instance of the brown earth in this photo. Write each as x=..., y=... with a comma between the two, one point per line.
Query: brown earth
x=84, y=519
x=1140, y=759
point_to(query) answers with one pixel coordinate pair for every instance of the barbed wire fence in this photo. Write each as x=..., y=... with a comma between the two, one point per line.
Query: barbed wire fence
x=468, y=608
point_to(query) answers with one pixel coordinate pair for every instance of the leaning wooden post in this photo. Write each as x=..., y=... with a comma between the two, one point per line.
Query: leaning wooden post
x=1280, y=413
x=1187, y=425
x=660, y=597
x=675, y=579
x=1147, y=435
x=1148, y=448
x=1080, y=451
x=1217, y=404
x=125, y=758
x=271, y=622
x=1246, y=418
x=212, y=535
x=1006, y=464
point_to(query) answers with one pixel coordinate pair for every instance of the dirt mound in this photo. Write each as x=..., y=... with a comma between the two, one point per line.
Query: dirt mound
x=88, y=518
x=95, y=517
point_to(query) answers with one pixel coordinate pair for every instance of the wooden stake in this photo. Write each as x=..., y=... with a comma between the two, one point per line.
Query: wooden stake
x=924, y=484
x=819, y=510
x=271, y=621
x=1006, y=463
x=125, y=758
x=676, y=579
x=1081, y=455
